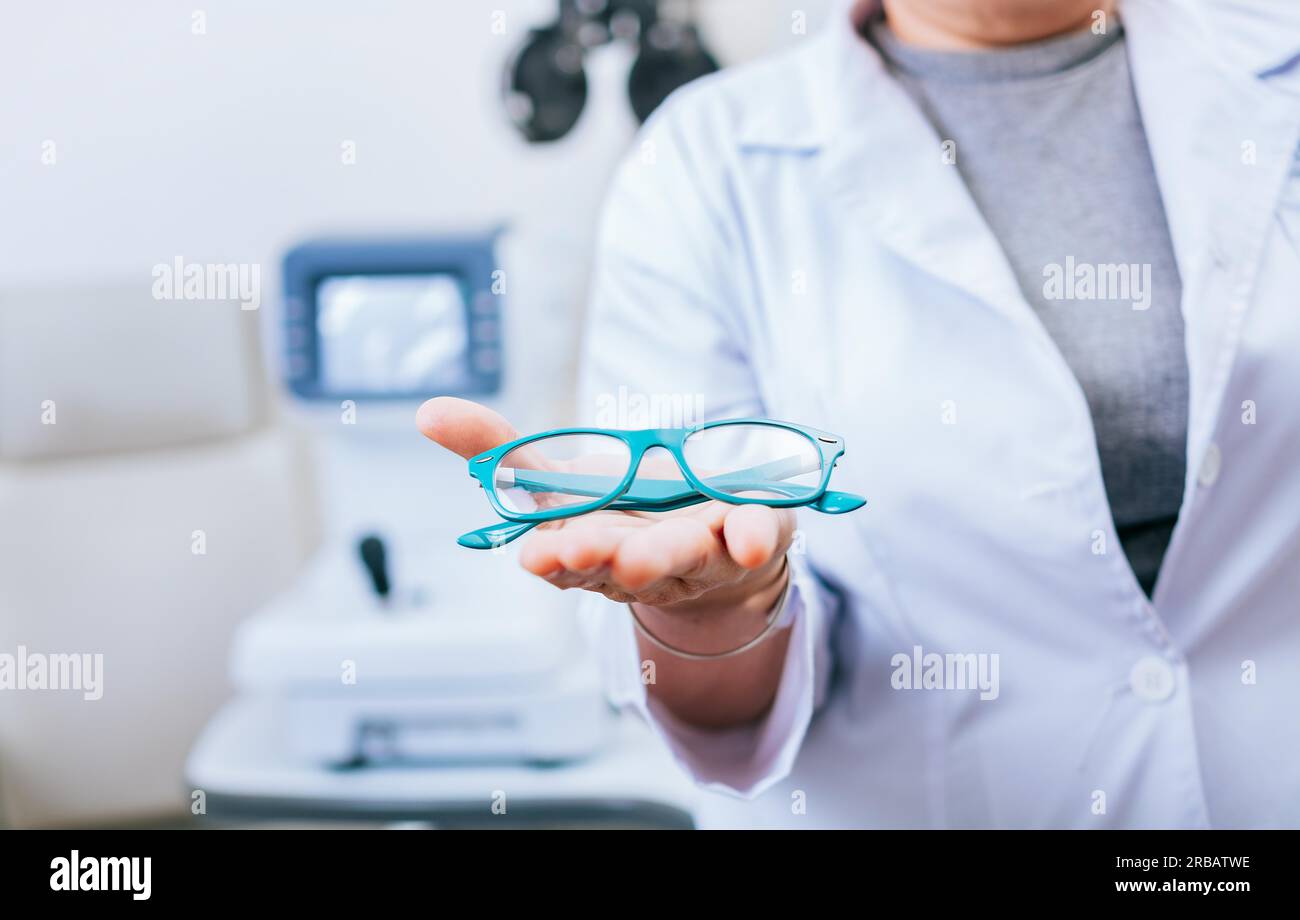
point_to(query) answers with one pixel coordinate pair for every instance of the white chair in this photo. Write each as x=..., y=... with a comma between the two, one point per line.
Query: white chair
x=149, y=500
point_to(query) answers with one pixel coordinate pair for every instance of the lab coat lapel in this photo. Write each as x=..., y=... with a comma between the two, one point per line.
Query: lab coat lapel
x=1221, y=143
x=884, y=165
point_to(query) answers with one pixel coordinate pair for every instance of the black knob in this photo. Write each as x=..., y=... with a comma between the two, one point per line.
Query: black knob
x=374, y=559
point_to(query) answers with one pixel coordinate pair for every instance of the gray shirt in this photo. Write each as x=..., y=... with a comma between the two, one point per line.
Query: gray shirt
x=1049, y=140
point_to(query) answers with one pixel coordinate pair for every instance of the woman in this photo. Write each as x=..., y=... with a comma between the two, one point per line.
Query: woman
x=1038, y=264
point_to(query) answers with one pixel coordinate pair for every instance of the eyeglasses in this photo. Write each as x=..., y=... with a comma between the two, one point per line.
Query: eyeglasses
x=573, y=471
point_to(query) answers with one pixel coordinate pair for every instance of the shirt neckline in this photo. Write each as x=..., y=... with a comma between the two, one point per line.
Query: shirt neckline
x=1059, y=54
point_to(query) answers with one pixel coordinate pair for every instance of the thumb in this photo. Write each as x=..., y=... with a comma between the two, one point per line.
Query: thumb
x=463, y=427
x=755, y=533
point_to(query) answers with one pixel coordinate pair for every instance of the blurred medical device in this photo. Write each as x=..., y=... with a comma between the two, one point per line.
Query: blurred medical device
x=393, y=320
x=392, y=647
x=546, y=80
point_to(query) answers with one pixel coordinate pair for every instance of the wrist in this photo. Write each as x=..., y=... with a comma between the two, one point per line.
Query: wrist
x=722, y=620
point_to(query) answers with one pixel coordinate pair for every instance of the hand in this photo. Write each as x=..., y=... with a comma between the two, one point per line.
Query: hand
x=712, y=555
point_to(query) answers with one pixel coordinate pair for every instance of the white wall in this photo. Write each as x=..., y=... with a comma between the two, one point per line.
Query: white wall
x=226, y=146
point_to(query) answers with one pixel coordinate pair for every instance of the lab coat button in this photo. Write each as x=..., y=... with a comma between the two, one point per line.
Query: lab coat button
x=1152, y=679
x=1210, y=465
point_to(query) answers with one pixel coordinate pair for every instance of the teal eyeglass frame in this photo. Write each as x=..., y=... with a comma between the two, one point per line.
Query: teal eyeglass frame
x=645, y=494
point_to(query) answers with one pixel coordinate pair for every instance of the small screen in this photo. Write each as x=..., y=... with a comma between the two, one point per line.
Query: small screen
x=391, y=335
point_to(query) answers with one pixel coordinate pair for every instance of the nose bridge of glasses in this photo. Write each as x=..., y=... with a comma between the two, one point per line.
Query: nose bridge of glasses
x=657, y=478
x=657, y=459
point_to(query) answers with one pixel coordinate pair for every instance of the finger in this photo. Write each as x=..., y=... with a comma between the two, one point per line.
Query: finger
x=463, y=427
x=755, y=533
x=540, y=553
x=587, y=549
x=673, y=547
x=563, y=578
x=712, y=514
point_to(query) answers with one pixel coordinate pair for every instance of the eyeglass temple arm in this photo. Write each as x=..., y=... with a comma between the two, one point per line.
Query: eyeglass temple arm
x=829, y=502
x=494, y=535
x=503, y=532
x=832, y=502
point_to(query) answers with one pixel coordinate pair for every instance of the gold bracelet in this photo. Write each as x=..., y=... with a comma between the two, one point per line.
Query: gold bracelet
x=773, y=619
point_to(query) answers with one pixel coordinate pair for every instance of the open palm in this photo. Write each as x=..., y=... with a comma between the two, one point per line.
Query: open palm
x=654, y=558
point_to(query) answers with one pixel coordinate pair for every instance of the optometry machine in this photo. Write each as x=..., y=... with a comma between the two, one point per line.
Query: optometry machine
x=393, y=648
x=545, y=89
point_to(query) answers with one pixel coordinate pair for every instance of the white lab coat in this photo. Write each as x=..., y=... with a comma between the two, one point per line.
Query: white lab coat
x=787, y=239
